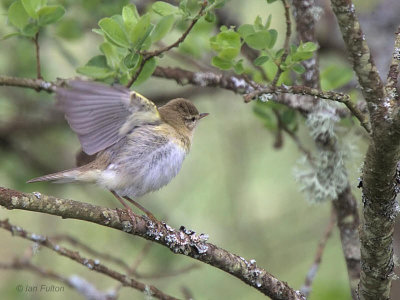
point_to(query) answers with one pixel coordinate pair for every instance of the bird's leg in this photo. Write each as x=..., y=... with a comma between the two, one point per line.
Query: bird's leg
x=130, y=211
x=147, y=212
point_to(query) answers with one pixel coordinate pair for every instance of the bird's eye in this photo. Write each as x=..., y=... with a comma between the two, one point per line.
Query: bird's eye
x=193, y=119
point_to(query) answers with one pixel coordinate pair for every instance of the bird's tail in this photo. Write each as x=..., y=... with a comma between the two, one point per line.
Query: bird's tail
x=59, y=177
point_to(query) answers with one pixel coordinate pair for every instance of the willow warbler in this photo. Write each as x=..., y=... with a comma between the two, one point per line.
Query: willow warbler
x=135, y=147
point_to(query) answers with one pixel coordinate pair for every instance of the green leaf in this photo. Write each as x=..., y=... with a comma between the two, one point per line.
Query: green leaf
x=162, y=28
x=95, y=72
x=9, y=35
x=226, y=39
x=288, y=116
x=96, y=68
x=17, y=15
x=98, y=31
x=111, y=55
x=270, y=1
x=32, y=6
x=245, y=29
x=270, y=68
x=114, y=32
x=50, y=14
x=261, y=60
x=147, y=70
x=130, y=15
x=263, y=111
x=300, y=56
x=30, y=30
x=258, y=25
x=307, y=47
x=164, y=8
x=210, y=17
x=229, y=53
x=131, y=61
x=334, y=77
x=221, y=63
x=258, y=40
x=273, y=37
x=140, y=31
x=279, y=53
x=238, y=67
x=298, y=68
x=268, y=22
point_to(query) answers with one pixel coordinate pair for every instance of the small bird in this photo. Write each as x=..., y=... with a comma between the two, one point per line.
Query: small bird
x=133, y=147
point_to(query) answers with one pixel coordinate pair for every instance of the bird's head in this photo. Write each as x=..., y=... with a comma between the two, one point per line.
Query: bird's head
x=181, y=114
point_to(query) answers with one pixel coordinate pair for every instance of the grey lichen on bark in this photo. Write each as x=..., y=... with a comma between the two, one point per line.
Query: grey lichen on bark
x=380, y=165
x=182, y=241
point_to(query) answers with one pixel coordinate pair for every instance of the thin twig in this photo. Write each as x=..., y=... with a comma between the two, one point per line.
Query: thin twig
x=91, y=264
x=286, y=43
x=133, y=269
x=294, y=137
x=306, y=288
x=305, y=90
x=149, y=55
x=83, y=287
x=75, y=242
x=37, y=50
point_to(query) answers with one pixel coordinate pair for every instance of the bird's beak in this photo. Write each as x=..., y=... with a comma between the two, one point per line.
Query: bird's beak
x=203, y=115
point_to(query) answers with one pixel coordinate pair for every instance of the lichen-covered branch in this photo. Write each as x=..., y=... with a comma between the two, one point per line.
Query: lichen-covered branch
x=306, y=14
x=91, y=264
x=30, y=83
x=380, y=165
x=182, y=241
x=359, y=53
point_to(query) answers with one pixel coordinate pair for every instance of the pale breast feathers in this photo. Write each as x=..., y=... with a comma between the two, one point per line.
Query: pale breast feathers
x=101, y=114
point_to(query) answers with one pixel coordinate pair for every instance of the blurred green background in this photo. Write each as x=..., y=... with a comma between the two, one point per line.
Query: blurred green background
x=234, y=185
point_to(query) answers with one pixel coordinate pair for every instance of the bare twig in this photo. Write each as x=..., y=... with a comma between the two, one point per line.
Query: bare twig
x=83, y=287
x=149, y=55
x=286, y=43
x=36, y=84
x=181, y=241
x=306, y=289
x=294, y=137
x=94, y=265
x=37, y=50
x=75, y=242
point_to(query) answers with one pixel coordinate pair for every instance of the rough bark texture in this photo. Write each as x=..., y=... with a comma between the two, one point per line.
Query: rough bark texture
x=182, y=241
x=379, y=171
x=345, y=205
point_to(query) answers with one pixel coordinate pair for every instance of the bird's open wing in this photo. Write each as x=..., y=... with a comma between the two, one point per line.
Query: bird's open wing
x=102, y=114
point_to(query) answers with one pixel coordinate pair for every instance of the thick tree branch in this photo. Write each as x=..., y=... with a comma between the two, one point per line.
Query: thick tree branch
x=181, y=241
x=345, y=205
x=380, y=166
x=359, y=53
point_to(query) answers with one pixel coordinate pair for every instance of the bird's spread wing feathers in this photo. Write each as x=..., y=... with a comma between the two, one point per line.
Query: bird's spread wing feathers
x=101, y=114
